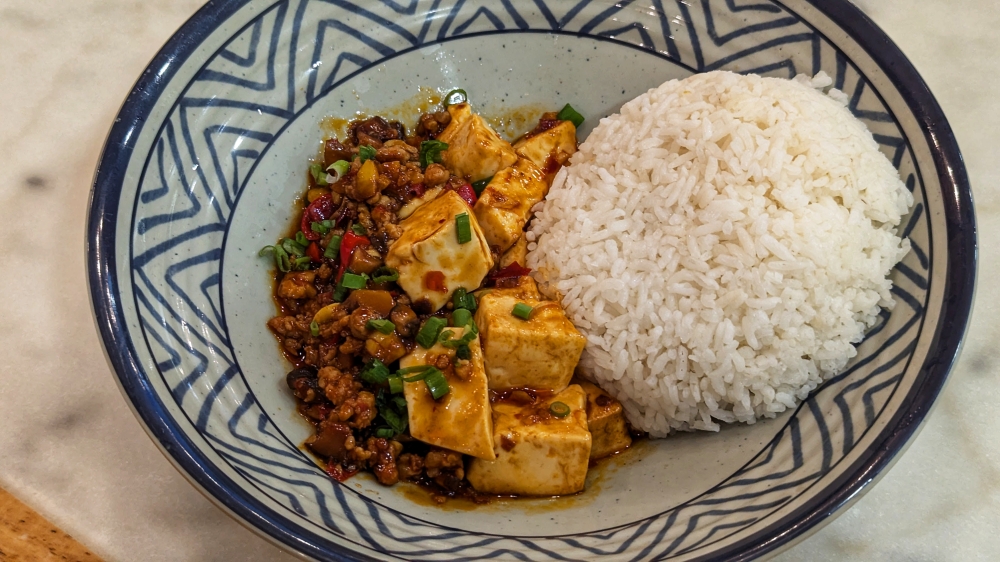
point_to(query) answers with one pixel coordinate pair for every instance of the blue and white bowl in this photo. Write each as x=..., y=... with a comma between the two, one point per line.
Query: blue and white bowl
x=204, y=161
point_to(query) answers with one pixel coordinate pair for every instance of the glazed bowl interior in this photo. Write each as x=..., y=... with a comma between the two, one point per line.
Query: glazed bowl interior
x=209, y=154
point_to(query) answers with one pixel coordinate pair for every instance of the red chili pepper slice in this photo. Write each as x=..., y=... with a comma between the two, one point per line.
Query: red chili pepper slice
x=319, y=210
x=338, y=472
x=416, y=190
x=434, y=281
x=312, y=250
x=466, y=192
x=347, y=245
x=513, y=270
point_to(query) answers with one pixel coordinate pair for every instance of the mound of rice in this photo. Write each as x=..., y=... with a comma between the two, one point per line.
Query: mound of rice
x=722, y=243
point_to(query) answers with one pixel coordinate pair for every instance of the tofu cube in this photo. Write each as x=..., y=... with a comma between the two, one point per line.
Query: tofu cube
x=505, y=204
x=460, y=420
x=606, y=420
x=475, y=151
x=539, y=353
x=537, y=453
x=550, y=149
x=516, y=253
x=430, y=261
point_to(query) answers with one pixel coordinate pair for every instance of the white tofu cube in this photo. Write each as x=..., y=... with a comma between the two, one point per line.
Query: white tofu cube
x=429, y=258
x=475, y=151
x=460, y=420
x=606, y=421
x=537, y=453
x=540, y=352
x=550, y=149
x=505, y=204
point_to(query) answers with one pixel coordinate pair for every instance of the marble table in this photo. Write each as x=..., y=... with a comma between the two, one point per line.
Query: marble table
x=71, y=449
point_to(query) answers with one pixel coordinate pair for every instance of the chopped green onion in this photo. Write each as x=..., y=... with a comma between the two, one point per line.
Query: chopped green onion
x=280, y=257
x=340, y=293
x=385, y=432
x=522, y=311
x=430, y=370
x=460, y=317
x=339, y=168
x=392, y=410
x=445, y=335
x=366, y=152
x=559, y=409
x=430, y=152
x=466, y=338
x=384, y=326
x=384, y=275
x=464, y=299
x=322, y=227
x=395, y=385
x=463, y=352
x=302, y=264
x=464, y=228
x=428, y=333
x=375, y=372
x=314, y=328
x=333, y=247
x=567, y=113
x=359, y=229
x=436, y=384
x=413, y=369
x=455, y=96
x=301, y=240
x=319, y=176
x=352, y=281
x=293, y=248
x=479, y=186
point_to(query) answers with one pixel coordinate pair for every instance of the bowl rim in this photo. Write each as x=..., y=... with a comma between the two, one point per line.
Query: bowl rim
x=959, y=291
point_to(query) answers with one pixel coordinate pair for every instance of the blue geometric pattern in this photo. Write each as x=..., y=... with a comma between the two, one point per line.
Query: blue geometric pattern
x=208, y=146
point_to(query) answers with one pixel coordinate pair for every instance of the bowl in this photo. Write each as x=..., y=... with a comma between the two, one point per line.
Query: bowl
x=209, y=151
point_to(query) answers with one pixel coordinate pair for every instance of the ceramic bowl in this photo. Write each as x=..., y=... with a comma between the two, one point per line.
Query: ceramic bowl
x=210, y=149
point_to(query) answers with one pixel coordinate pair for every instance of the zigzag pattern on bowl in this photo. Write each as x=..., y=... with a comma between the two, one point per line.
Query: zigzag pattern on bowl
x=206, y=167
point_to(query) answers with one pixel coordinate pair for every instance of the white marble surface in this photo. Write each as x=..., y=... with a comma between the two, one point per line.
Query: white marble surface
x=70, y=447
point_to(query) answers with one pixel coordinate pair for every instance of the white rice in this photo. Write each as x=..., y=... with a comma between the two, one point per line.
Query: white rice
x=722, y=243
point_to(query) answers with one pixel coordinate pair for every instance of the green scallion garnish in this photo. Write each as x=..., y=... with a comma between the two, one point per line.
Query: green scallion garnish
x=464, y=299
x=559, y=409
x=567, y=113
x=464, y=228
x=366, y=152
x=293, y=248
x=460, y=317
x=430, y=152
x=466, y=338
x=395, y=385
x=522, y=311
x=319, y=176
x=479, y=186
x=445, y=335
x=314, y=328
x=333, y=248
x=384, y=275
x=339, y=168
x=385, y=432
x=301, y=264
x=359, y=229
x=463, y=352
x=375, y=372
x=352, y=281
x=413, y=369
x=301, y=240
x=422, y=374
x=280, y=257
x=321, y=227
x=428, y=333
x=384, y=326
x=436, y=384
x=455, y=96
